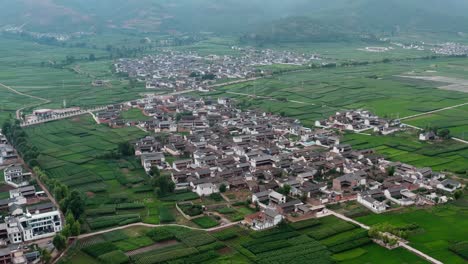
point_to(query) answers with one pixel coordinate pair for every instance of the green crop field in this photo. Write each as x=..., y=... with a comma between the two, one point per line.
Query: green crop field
x=339, y=242
x=134, y=115
x=456, y=120
x=316, y=93
x=71, y=152
x=439, y=227
x=28, y=68
x=405, y=147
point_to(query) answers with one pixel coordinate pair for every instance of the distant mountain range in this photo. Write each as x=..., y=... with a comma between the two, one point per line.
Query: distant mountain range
x=278, y=20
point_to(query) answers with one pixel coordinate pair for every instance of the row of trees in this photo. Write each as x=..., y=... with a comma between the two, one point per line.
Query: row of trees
x=19, y=139
x=71, y=203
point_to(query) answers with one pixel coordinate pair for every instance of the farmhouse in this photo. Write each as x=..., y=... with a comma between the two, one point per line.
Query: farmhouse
x=15, y=176
x=449, y=185
x=371, y=203
x=263, y=220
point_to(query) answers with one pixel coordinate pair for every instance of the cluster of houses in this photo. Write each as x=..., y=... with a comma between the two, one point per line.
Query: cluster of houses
x=7, y=152
x=188, y=70
x=26, y=215
x=210, y=143
x=451, y=49
x=359, y=121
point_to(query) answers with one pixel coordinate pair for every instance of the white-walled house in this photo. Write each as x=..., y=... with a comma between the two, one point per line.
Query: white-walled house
x=206, y=189
x=371, y=203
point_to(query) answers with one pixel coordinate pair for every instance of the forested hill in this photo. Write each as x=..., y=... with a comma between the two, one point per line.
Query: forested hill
x=272, y=19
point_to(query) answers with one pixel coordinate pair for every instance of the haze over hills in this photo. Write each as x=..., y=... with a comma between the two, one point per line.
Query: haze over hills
x=272, y=20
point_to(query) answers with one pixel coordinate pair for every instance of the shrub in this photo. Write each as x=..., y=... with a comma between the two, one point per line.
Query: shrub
x=185, y=196
x=99, y=249
x=225, y=234
x=165, y=214
x=142, y=189
x=350, y=245
x=216, y=196
x=205, y=222
x=114, y=257
x=160, y=234
x=226, y=210
x=213, y=246
x=196, y=238
x=114, y=236
x=129, y=206
x=460, y=249
x=269, y=246
x=191, y=209
x=129, y=221
x=101, y=211
x=304, y=224
x=157, y=257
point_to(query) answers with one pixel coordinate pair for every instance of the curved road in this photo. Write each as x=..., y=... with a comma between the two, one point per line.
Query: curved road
x=63, y=253
x=404, y=245
x=18, y=116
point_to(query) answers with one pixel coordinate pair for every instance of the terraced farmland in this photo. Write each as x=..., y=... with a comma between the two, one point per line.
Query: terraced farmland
x=338, y=242
x=405, y=147
x=73, y=152
x=439, y=228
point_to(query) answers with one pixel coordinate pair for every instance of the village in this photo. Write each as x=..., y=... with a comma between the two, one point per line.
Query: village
x=214, y=149
x=189, y=70
x=28, y=215
x=288, y=171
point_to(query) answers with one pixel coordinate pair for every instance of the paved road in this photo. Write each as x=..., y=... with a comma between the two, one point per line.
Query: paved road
x=454, y=138
x=269, y=98
x=18, y=112
x=140, y=224
x=152, y=225
x=404, y=245
x=434, y=111
x=234, y=82
x=65, y=116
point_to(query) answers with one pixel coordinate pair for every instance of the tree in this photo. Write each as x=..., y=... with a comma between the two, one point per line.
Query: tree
x=59, y=241
x=66, y=232
x=69, y=218
x=126, y=149
x=75, y=229
x=285, y=189
x=458, y=194
x=164, y=185
x=391, y=171
x=74, y=203
x=70, y=59
x=92, y=57
x=45, y=255
x=222, y=188
x=155, y=172
x=444, y=133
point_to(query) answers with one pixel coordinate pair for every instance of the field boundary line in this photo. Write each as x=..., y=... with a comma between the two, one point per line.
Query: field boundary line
x=18, y=111
x=434, y=111
x=63, y=253
x=267, y=97
x=404, y=245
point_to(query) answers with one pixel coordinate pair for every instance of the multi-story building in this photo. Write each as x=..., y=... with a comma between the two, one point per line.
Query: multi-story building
x=26, y=226
x=15, y=176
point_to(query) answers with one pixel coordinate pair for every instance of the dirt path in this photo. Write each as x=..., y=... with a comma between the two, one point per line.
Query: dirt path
x=18, y=112
x=402, y=244
x=152, y=225
x=434, y=111
x=268, y=97
x=152, y=247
